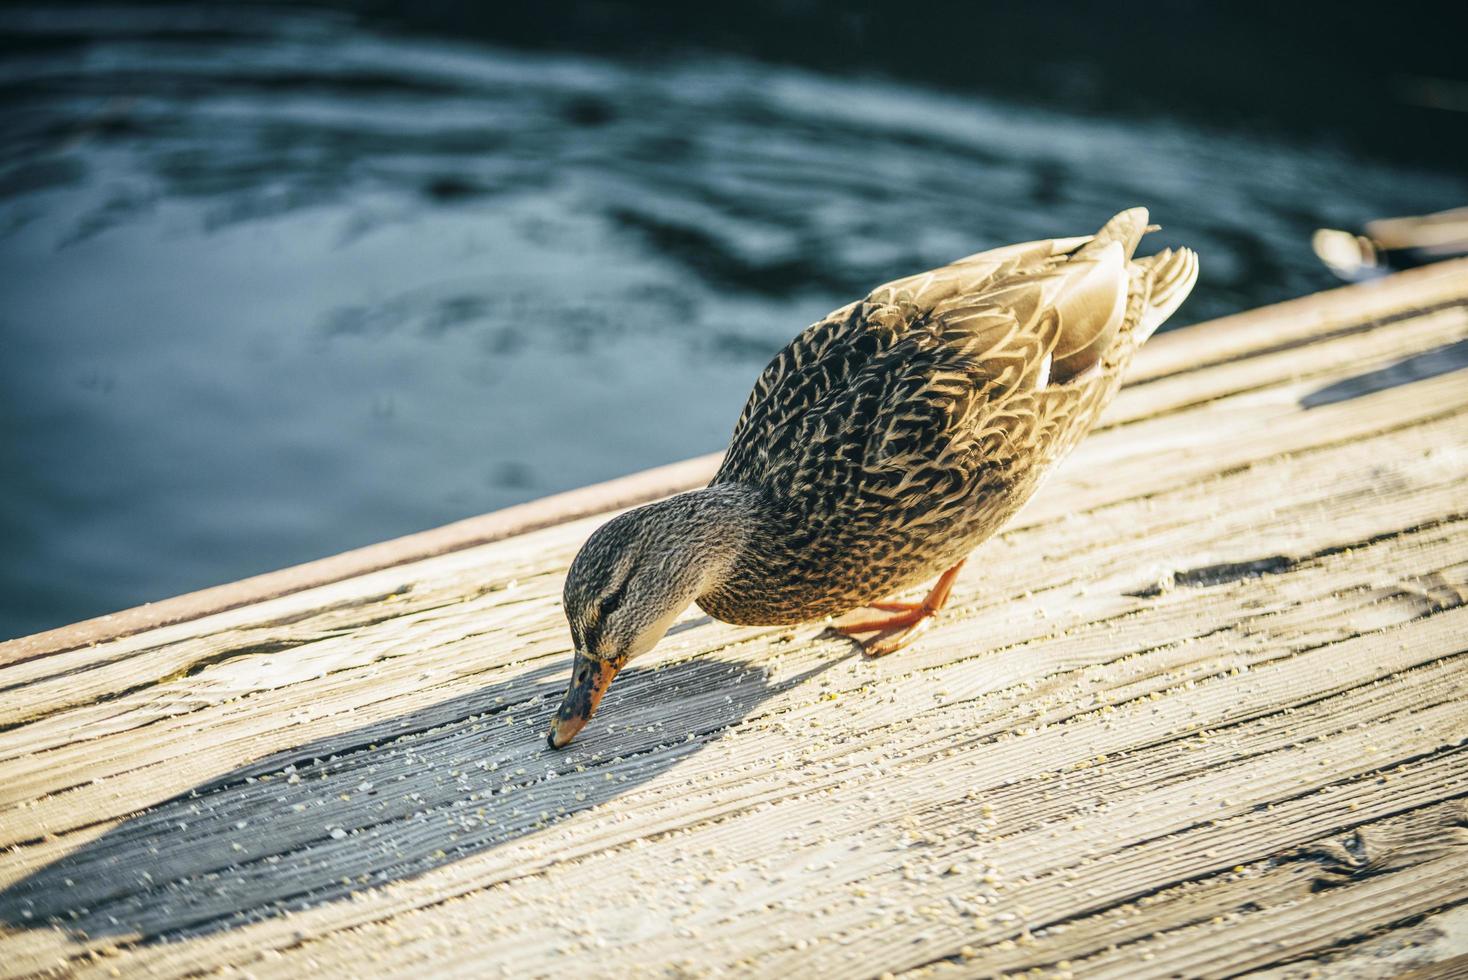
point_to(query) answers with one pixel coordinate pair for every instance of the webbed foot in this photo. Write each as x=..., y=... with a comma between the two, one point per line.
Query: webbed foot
x=896, y=624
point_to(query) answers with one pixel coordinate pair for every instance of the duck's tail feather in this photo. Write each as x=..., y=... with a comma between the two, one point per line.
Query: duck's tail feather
x=1128, y=227
x=1170, y=277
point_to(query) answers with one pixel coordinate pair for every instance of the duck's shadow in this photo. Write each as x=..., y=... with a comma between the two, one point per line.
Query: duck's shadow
x=382, y=803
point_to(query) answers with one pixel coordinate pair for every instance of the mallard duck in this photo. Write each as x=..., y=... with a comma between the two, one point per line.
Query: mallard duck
x=877, y=450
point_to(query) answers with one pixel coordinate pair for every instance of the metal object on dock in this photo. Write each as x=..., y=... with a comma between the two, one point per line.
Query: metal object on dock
x=1392, y=244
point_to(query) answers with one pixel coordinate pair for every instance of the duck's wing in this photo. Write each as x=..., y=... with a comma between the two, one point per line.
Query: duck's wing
x=955, y=408
x=821, y=365
x=937, y=385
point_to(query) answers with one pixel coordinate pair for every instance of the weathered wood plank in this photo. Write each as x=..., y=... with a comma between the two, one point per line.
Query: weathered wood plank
x=1329, y=893
x=1200, y=709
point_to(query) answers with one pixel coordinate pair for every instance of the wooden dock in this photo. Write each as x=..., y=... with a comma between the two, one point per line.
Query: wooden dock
x=1202, y=710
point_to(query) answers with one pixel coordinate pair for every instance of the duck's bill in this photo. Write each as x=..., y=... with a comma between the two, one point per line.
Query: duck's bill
x=589, y=681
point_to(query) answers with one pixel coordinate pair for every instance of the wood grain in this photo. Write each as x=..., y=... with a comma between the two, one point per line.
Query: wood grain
x=1200, y=710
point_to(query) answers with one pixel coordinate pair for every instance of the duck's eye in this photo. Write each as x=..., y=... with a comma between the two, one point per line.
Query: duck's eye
x=611, y=600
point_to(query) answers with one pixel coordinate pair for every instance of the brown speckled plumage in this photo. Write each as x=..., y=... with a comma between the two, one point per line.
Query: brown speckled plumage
x=894, y=436
x=883, y=444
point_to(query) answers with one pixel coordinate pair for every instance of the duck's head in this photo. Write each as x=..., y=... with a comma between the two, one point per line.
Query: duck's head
x=629, y=582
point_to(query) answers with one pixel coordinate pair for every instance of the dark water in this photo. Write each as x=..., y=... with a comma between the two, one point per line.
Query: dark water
x=279, y=281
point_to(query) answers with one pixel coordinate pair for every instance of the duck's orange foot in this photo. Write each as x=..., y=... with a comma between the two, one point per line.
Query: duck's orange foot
x=894, y=629
x=896, y=624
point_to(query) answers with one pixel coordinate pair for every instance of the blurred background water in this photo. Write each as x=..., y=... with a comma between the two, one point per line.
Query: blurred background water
x=279, y=280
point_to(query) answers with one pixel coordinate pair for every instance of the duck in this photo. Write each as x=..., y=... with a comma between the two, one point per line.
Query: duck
x=876, y=451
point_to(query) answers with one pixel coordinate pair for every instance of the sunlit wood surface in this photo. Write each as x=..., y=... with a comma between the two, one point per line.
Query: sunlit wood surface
x=1202, y=710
